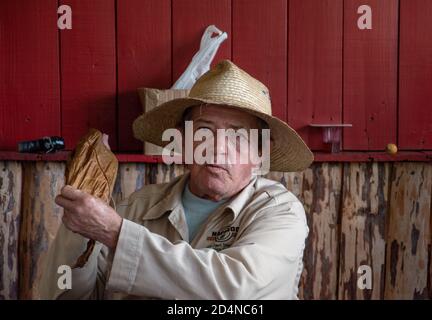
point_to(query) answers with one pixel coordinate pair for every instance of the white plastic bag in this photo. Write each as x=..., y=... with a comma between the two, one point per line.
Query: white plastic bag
x=202, y=59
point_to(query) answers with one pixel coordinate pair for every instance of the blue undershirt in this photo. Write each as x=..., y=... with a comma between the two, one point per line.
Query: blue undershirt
x=197, y=210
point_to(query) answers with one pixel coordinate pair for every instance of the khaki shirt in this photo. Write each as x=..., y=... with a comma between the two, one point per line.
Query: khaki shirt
x=251, y=247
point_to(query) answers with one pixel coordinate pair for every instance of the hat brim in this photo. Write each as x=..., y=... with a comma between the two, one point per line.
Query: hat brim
x=289, y=153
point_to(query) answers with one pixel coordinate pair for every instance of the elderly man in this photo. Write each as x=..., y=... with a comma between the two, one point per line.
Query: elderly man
x=218, y=232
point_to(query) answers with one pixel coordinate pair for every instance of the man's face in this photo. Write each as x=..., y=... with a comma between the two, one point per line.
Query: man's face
x=221, y=181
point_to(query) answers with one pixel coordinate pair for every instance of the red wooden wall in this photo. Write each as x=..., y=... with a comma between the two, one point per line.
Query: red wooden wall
x=319, y=66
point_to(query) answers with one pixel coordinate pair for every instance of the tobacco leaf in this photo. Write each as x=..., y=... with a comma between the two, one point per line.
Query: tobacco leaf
x=92, y=168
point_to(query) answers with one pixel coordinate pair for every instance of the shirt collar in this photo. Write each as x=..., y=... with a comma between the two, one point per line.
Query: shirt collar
x=238, y=201
x=171, y=201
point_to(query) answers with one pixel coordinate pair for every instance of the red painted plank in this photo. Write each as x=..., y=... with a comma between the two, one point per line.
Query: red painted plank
x=314, y=66
x=370, y=76
x=415, y=75
x=18, y=156
x=190, y=19
x=260, y=45
x=125, y=157
x=88, y=71
x=144, y=59
x=29, y=71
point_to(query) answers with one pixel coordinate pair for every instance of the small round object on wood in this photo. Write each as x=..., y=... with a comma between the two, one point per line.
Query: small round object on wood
x=391, y=149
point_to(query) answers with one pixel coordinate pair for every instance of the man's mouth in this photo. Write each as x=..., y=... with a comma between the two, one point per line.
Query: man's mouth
x=215, y=167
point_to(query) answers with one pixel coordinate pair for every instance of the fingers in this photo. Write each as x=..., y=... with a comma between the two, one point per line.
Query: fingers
x=67, y=221
x=70, y=193
x=64, y=202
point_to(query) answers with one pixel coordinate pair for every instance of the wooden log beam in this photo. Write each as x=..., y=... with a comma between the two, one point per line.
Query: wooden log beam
x=10, y=209
x=409, y=233
x=133, y=176
x=319, y=190
x=364, y=209
x=321, y=193
x=41, y=218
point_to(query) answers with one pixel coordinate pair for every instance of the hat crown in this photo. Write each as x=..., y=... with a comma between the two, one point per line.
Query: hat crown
x=227, y=84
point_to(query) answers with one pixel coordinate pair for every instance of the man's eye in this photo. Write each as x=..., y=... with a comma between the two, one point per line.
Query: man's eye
x=204, y=128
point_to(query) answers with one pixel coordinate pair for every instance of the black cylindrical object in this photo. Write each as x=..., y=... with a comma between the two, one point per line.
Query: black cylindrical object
x=43, y=145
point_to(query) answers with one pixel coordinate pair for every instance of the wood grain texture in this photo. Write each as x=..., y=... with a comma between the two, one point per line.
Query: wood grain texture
x=293, y=181
x=314, y=67
x=189, y=20
x=161, y=173
x=133, y=176
x=130, y=177
x=370, y=76
x=362, y=242
x=409, y=232
x=260, y=45
x=415, y=74
x=346, y=207
x=321, y=192
x=10, y=214
x=88, y=71
x=319, y=189
x=29, y=72
x=144, y=59
x=41, y=218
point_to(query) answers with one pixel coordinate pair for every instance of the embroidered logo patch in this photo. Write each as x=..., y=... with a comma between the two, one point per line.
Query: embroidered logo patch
x=223, y=235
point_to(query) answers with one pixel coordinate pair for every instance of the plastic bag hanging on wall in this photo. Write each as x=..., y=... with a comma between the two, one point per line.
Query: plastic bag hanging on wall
x=202, y=59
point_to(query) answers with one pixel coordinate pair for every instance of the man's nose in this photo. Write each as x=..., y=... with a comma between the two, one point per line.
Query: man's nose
x=220, y=146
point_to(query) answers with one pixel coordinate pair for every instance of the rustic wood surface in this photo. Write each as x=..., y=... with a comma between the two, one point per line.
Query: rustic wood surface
x=321, y=193
x=409, y=236
x=41, y=218
x=375, y=214
x=319, y=190
x=130, y=177
x=362, y=238
x=10, y=210
x=133, y=176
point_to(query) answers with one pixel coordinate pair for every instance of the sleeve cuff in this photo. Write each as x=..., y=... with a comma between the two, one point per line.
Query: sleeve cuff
x=126, y=258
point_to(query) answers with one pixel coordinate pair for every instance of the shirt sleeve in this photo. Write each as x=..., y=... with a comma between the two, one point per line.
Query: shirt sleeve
x=265, y=261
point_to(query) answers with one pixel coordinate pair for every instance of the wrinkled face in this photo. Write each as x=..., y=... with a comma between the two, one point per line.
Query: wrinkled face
x=221, y=181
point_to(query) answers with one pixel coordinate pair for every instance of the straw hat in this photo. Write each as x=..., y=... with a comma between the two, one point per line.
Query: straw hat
x=227, y=84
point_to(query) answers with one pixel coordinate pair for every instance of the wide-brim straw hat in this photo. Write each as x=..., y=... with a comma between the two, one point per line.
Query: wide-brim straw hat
x=228, y=85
